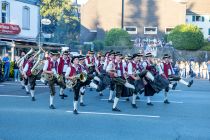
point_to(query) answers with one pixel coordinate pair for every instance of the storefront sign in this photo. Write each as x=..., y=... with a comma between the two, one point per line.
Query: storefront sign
x=9, y=29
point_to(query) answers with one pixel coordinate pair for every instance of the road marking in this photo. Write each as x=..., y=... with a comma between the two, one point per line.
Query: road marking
x=115, y=114
x=14, y=96
x=177, y=102
x=2, y=85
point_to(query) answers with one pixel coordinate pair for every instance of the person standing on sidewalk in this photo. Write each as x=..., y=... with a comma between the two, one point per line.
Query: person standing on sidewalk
x=16, y=70
x=6, y=61
x=208, y=66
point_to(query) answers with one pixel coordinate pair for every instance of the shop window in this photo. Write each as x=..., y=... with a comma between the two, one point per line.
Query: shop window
x=5, y=17
x=26, y=18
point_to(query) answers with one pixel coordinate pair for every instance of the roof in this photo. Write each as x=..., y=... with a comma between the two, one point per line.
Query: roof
x=33, y=2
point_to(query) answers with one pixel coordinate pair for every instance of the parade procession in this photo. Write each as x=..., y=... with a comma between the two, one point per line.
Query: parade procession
x=125, y=76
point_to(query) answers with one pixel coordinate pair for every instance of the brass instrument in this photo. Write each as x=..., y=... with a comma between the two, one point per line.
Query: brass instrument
x=71, y=83
x=20, y=61
x=39, y=63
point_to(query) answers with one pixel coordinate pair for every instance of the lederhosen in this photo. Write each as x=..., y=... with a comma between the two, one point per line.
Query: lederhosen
x=52, y=82
x=91, y=69
x=166, y=67
x=139, y=84
x=79, y=84
x=119, y=81
x=148, y=90
x=112, y=83
x=31, y=78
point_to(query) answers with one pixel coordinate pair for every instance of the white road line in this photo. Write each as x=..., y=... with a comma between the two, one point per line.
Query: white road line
x=14, y=96
x=2, y=85
x=177, y=102
x=115, y=114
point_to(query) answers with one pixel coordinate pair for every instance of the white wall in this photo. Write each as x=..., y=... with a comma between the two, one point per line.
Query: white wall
x=16, y=11
x=204, y=25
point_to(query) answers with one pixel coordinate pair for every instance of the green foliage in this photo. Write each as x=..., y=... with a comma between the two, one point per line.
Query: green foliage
x=65, y=24
x=186, y=37
x=11, y=72
x=98, y=45
x=60, y=9
x=117, y=37
x=206, y=46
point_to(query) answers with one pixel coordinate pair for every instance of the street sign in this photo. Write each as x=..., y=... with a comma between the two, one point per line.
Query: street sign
x=46, y=21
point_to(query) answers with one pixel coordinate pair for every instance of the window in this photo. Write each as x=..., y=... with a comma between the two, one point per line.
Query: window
x=150, y=30
x=5, y=12
x=131, y=29
x=168, y=30
x=26, y=18
x=198, y=18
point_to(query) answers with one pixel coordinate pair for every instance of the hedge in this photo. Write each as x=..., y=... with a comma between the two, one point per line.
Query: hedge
x=186, y=37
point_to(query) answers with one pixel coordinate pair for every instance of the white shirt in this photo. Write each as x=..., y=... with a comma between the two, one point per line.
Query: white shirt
x=25, y=69
x=68, y=70
x=46, y=66
x=130, y=68
x=110, y=66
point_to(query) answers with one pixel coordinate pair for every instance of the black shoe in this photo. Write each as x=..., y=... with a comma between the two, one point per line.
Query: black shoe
x=62, y=97
x=174, y=86
x=82, y=104
x=137, y=98
x=127, y=99
x=134, y=106
x=33, y=99
x=52, y=107
x=75, y=112
x=116, y=109
x=27, y=92
x=190, y=83
x=111, y=101
x=166, y=102
x=101, y=94
x=22, y=87
x=150, y=104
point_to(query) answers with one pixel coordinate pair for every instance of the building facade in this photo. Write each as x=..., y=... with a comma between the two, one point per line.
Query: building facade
x=144, y=18
x=19, y=24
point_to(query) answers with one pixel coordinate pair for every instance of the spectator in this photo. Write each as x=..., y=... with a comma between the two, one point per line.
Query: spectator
x=6, y=61
x=208, y=65
x=16, y=70
x=1, y=75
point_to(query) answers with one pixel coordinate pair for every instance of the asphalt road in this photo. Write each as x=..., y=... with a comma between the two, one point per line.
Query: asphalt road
x=187, y=117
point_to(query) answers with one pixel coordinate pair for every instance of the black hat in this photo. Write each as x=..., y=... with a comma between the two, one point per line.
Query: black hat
x=118, y=54
x=129, y=57
x=82, y=57
x=148, y=55
x=53, y=52
x=140, y=54
x=112, y=53
x=72, y=60
x=65, y=53
x=90, y=52
x=134, y=55
x=166, y=56
x=30, y=55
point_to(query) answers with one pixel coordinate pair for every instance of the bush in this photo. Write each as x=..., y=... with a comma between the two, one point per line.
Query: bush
x=11, y=73
x=117, y=37
x=98, y=45
x=206, y=46
x=186, y=37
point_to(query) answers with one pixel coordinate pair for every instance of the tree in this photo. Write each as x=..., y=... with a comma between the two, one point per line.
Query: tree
x=65, y=20
x=117, y=37
x=186, y=37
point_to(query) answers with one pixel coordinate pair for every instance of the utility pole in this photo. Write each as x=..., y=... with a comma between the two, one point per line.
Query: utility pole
x=122, y=20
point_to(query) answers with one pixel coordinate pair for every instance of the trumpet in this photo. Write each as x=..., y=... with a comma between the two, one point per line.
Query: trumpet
x=72, y=83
